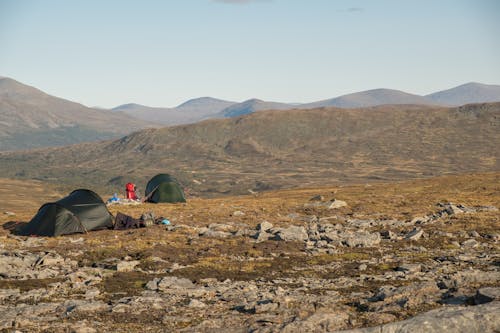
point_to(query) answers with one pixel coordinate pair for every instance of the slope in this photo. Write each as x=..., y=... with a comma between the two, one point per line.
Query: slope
x=188, y=112
x=268, y=150
x=472, y=92
x=31, y=118
x=372, y=98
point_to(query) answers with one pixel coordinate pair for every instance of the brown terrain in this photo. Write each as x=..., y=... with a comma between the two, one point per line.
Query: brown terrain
x=280, y=149
x=381, y=219
x=417, y=255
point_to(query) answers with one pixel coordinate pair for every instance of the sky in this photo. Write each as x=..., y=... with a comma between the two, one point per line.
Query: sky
x=164, y=52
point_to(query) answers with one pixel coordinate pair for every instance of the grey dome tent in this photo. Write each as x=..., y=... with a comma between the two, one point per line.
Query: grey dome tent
x=81, y=211
x=164, y=188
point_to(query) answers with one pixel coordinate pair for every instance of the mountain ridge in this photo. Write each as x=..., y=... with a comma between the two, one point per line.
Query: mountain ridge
x=31, y=118
x=266, y=150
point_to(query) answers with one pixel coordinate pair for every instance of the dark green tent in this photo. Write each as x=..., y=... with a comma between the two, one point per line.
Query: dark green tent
x=164, y=188
x=81, y=211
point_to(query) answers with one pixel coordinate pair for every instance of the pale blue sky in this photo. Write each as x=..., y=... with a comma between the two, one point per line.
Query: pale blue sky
x=162, y=53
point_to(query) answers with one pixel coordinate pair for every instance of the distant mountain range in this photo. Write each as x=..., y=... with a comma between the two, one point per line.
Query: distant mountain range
x=206, y=107
x=289, y=148
x=30, y=118
x=191, y=111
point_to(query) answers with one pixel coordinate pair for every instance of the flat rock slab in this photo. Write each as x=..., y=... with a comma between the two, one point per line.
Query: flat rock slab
x=481, y=318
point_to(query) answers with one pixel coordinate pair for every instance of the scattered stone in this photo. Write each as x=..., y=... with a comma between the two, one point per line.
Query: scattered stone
x=317, y=198
x=237, y=213
x=292, y=233
x=362, y=267
x=262, y=236
x=474, y=234
x=415, y=234
x=470, y=243
x=172, y=282
x=387, y=234
x=334, y=204
x=480, y=318
x=194, y=303
x=409, y=268
x=264, y=226
x=363, y=239
x=215, y=234
x=127, y=266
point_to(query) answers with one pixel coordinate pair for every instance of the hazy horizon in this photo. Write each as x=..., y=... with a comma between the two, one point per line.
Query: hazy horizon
x=164, y=53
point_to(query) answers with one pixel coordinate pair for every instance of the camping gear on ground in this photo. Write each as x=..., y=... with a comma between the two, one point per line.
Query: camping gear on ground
x=164, y=188
x=165, y=221
x=113, y=199
x=130, y=188
x=81, y=211
x=148, y=219
x=123, y=221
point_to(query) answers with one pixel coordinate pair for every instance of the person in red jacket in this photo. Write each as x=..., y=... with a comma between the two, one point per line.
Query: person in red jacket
x=130, y=188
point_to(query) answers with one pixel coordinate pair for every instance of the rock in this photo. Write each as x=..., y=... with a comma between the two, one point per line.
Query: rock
x=387, y=234
x=127, y=266
x=194, y=303
x=237, y=213
x=153, y=284
x=480, y=318
x=215, y=234
x=172, y=282
x=334, y=204
x=9, y=213
x=363, y=239
x=292, y=233
x=409, y=268
x=415, y=234
x=474, y=234
x=265, y=306
x=264, y=226
x=262, y=236
x=494, y=237
x=420, y=219
x=470, y=244
x=319, y=322
x=362, y=267
x=92, y=293
x=317, y=198
x=91, y=306
x=487, y=294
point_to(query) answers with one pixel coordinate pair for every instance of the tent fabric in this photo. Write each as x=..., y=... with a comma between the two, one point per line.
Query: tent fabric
x=164, y=188
x=81, y=211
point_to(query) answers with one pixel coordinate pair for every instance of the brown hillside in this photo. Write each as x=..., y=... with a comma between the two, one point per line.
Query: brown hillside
x=282, y=149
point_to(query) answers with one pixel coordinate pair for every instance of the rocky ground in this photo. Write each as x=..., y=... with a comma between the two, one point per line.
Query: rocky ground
x=416, y=256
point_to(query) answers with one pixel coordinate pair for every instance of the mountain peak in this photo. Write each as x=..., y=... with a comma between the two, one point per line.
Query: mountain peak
x=202, y=101
x=471, y=92
x=128, y=106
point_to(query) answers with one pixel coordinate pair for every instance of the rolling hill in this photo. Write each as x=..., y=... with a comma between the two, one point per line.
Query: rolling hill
x=252, y=105
x=472, y=92
x=30, y=118
x=191, y=111
x=372, y=98
x=266, y=150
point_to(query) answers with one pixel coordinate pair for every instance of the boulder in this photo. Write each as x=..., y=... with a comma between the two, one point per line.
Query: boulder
x=480, y=318
x=292, y=233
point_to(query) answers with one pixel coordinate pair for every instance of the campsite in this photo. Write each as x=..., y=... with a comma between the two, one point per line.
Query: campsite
x=273, y=260
x=249, y=166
